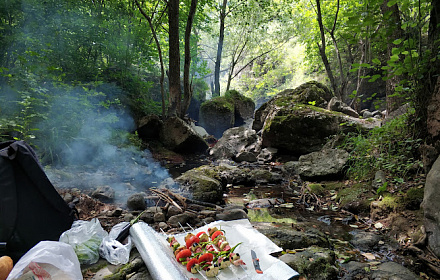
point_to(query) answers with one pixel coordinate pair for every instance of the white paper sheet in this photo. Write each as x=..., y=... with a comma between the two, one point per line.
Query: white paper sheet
x=242, y=231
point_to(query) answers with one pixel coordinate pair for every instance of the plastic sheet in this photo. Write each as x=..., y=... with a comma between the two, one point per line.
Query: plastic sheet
x=235, y=231
x=48, y=260
x=114, y=251
x=85, y=238
x=153, y=253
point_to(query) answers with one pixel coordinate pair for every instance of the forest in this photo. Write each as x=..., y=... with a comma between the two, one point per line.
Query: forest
x=78, y=77
x=107, y=63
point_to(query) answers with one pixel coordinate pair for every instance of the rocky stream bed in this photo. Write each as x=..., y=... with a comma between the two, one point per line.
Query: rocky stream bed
x=327, y=229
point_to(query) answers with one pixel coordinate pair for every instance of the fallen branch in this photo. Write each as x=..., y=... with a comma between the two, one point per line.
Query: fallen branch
x=166, y=198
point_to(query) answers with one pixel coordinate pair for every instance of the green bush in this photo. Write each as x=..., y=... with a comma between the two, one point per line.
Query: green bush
x=391, y=148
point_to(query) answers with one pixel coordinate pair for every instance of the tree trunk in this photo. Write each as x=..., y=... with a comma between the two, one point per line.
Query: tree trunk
x=220, y=48
x=187, y=91
x=393, y=100
x=426, y=102
x=321, y=48
x=174, y=58
x=159, y=51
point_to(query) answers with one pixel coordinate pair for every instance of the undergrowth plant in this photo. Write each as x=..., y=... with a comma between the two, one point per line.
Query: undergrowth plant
x=390, y=148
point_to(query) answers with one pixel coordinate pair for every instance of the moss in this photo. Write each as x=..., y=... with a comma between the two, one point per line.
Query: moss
x=349, y=194
x=334, y=185
x=389, y=202
x=122, y=272
x=235, y=95
x=355, y=197
x=413, y=198
x=317, y=189
x=220, y=103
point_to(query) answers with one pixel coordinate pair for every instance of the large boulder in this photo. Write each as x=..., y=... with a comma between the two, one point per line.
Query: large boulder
x=201, y=186
x=235, y=141
x=244, y=107
x=299, y=128
x=221, y=113
x=431, y=207
x=327, y=163
x=313, y=92
x=149, y=127
x=178, y=136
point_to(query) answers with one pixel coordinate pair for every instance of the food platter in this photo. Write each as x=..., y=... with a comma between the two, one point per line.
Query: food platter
x=161, y=262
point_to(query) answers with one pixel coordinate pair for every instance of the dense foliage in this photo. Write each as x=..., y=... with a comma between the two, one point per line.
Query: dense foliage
x=70, y=67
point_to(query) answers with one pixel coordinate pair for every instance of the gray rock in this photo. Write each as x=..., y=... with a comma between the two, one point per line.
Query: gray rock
x=287, y=238
x=68, y=197
x=233, y=214
x=325, y=163
x=173, y=210
x=394, y=271
x=164, y=226
x=200, y=130
x=208, y=213
x=290, y=167
x=183, y=218
x=104, y=193
x=264, y=203
x=202, y=187
x=288, y=122
x=159, y=217
x=233, y=142
x=365, y=241
x=179, y=136
x=116, y=213
x=263, y=176
x=149, y=127
x=219, y=114
x=315, y=262
x=245, y=156
x=338, y=105
x=267, y=154
x=355, y=270
x=136, y=202
x=431, y=207
x=379, y=179
x=367, y=114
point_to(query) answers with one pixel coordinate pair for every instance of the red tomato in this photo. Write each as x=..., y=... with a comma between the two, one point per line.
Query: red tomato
x=200, y=233
x=190, y=241
x=191, y=263
x=215, y=234
x=182, y=255
x=207, y=257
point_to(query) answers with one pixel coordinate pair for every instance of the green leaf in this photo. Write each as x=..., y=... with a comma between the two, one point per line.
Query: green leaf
x=382, y=188
x=376, y=61
x=374, y=78
x=391, y=3
x=397, y=41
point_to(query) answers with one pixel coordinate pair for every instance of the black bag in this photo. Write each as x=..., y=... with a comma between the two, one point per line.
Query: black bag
x=31, y=210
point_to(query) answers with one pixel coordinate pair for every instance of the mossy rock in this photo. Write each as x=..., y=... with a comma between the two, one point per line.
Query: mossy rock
x=201, y=186
x=223, y=112
x=413, y=198
x=389, y=202
x=311, y=92
x=314, y=263
x=356, y=198
x=317, y=189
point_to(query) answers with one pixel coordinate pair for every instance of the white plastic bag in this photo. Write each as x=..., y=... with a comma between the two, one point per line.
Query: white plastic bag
x=48, y=260
x=113, y=251
x=85, y=238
